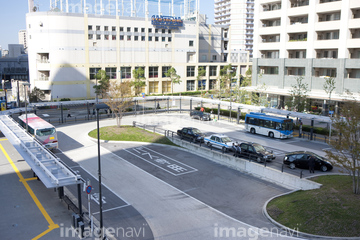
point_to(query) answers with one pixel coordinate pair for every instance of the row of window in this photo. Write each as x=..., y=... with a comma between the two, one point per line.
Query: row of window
x=153, y=72
x=128, y=38
x=128, y=29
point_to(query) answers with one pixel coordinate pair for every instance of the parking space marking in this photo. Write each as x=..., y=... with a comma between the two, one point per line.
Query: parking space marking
x=115, y=208
x=161, y=161
x=51, y=223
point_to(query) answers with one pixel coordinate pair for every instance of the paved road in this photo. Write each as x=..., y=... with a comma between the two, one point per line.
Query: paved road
x=196, y=203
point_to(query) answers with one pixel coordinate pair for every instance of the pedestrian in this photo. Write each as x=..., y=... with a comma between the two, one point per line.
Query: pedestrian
x=69, y=114
x=93, y=111
x=238, y=150
x=311, y=164
x=234, y=149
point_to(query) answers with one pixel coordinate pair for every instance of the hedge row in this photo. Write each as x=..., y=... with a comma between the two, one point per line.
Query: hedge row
x=223, y=112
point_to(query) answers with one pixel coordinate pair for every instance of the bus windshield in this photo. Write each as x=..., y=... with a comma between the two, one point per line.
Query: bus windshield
x=287, y=125
x=45, y=132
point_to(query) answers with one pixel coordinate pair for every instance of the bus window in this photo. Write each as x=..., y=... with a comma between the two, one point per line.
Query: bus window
x=45, y=132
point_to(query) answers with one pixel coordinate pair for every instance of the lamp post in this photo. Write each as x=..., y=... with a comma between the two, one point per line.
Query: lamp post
x=26, y=84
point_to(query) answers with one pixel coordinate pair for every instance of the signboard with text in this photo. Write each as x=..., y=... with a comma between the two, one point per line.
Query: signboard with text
x=166, y=22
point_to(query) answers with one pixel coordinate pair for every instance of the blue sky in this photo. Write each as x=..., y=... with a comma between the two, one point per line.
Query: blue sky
x=12, y=18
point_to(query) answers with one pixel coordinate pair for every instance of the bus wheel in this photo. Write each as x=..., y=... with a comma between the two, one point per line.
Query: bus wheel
x=271, y=134
x=252, y=130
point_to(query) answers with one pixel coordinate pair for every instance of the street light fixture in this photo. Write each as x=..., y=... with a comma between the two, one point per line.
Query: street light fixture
x=26, y=84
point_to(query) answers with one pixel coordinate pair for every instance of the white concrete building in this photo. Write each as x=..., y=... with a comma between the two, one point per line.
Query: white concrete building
x=22, y=38
x=238, y=15
x=311, y=38
x=66, y=50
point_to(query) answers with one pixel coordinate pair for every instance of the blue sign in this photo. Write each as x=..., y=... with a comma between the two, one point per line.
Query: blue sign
x=143, y=95
x=88, y=189
x=166, y=22
x=331, y=112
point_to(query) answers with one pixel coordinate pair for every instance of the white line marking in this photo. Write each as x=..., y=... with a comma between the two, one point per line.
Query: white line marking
x=110, y=209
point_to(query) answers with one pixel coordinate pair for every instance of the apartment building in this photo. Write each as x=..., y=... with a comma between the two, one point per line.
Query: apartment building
x=238, y=16
x=66, y=50
x=22, y=38
x=315, y=39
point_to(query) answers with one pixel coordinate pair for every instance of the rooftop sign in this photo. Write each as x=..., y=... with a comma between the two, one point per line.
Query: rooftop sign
x=166, y=22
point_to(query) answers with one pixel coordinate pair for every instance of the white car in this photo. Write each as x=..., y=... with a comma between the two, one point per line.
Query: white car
x=219, y=141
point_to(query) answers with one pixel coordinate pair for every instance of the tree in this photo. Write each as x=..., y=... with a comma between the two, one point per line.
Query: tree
x=226, y=75
x=174, y=78
x=345, y=152
x=258, y=98
x=247, y=79
x=138, y=82
x=119, y=99
x=201, y=74
x=103, y=83
x=329, y=86
x=36, y=95
x=298, y=94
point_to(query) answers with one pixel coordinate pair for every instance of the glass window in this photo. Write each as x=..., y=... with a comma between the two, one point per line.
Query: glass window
x=121, y=37
x=89, y=27
x=190, y=71
x=97, y=28
x=213, y=70
x=163, y=31
x=190, y=85
x=128, y=29
x=113, y=37
x=156, y=39
x=150, y=38
x=154, y=87
x=150, y=30
x=106, y=28
x=121, y=29
x=106, y=37
x=111, y=72
x=93, y=72
x=169, y=31
x=136, y=38
x=163, y=39
x=169, y=39
x=98, y=37
x=142, y=38
x=166, y=86
x=153, y=72
x=128, y=38
x=191, y=43
x=125, y=72
x=143, y=75
x=90, y=36
x=113, y=28
x=156, y=30
x=136, y=29
x=142, y=30
x=164, y=70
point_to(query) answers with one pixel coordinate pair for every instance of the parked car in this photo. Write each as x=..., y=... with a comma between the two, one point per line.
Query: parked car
x=219, y=141
x=300, y=159
x=191, y=133
x=256, y=151
x=202, y=116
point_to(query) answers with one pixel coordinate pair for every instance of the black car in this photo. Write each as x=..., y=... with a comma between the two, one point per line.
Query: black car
x=193, y=134
x=202, y=116
x=300, y=159
x=256, y=151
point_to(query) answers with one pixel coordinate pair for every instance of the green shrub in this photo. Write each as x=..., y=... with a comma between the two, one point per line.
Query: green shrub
x=65, y=99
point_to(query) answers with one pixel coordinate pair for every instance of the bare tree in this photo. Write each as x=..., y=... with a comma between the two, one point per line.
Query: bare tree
x=346, y=150
x=119, y=99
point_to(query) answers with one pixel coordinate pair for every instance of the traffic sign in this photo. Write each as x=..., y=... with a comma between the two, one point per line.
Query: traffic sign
x=88, y=189
x=331, y=112
x=143, y=95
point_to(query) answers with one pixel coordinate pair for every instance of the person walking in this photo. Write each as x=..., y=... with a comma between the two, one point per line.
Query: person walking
x=69, y=114
x=311, y=164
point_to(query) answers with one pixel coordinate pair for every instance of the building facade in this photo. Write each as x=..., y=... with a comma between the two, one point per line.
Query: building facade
x=238, y=15
x=314, y=39
x=66, y=50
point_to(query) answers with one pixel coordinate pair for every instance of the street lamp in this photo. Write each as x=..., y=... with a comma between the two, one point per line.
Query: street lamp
x=26, y=84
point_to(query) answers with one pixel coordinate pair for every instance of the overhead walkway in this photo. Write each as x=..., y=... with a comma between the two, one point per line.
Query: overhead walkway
x=50, y=169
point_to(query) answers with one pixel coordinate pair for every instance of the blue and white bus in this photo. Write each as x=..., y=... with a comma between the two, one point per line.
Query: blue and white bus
x=267, y=125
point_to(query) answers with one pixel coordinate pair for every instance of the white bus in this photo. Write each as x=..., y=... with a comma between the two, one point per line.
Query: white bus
x=43, y=131
x=272, y=126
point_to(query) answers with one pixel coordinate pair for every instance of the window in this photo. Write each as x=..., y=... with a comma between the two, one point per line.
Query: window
x=128, y=38
x=156, y=39
x=97, y=28
x=169, y=31
x=142, y=38
x=128, y=29
x=90, y=36
x=136, y=29
x=212, y=84
x=163, y=39
x=154, y=87
x=106, y=37
x=121, y=37
x=213, y=70
x=150, y=30
x=156, y=30
x=191, y=43
x=111, y=72
x=121, y=29
x=153, y=72
x=113, y=37
x=106, y=28
x=136, y=38
x=93, y=72
x=142, y=30
x=125, y=72
x=150, y=39
x=190, y=85
x=113, y=29
x=190, y=71
x=166, y=86
x=214, y=57
x=90, y=27
x=142, y=75
x=169, y=39
x=163, y=31
x=164, y=70
x=98, y=37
